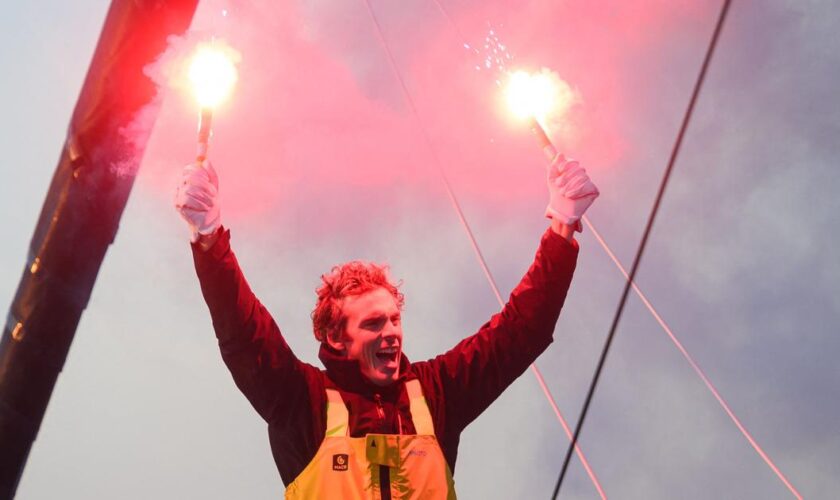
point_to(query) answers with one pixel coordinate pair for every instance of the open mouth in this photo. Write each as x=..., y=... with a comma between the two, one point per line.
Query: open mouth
x=388, y=355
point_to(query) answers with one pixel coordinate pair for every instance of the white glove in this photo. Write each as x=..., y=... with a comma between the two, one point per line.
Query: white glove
x=570, y=191
x=197, y=199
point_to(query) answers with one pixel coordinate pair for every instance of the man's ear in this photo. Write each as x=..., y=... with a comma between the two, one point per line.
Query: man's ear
x=336, y=343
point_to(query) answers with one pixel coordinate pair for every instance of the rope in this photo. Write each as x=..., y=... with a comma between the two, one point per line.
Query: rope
x=694, y=365
x=648, y=227
x=665, y=327
x=482, y=262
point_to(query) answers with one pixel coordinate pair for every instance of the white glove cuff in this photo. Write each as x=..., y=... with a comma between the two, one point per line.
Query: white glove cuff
x=564, y=213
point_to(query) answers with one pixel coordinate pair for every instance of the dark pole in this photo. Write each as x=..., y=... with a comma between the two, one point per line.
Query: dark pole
x=96, y=169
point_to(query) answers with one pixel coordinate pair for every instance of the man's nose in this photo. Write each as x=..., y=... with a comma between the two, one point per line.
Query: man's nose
x=391, y=330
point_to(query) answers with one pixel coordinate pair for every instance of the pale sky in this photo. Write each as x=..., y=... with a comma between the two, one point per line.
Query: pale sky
x=320, y=161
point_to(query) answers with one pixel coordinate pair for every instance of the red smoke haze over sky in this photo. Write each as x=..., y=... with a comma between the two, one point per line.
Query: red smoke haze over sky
x=317, y=113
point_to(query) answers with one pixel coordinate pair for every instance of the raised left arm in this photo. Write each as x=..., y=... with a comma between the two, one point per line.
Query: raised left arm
x=477, y=370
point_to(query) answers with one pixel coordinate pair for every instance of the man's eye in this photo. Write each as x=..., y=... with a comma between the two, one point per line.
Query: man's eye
x=374, y=325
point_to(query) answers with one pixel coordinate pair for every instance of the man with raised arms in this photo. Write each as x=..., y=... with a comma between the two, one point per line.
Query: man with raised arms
x=373, y=424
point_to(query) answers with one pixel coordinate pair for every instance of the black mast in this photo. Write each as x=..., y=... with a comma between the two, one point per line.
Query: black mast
x=96, y=169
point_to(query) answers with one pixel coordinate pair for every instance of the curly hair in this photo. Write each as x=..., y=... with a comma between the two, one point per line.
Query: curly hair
x=351, y=278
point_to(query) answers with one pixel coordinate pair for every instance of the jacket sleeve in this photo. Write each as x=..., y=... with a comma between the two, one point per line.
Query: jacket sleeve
x=477, y=370
x=263, y=366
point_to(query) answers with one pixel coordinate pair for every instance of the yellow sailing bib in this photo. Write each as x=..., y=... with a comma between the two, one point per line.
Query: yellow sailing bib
x=377, y=466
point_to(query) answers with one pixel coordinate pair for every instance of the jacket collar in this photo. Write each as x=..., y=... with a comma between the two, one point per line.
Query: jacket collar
x=347, y=375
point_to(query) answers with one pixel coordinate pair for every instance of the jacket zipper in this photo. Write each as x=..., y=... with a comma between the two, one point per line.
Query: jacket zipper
x=379, y=410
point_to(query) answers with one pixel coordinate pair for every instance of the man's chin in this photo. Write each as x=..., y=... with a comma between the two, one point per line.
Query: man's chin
x=384, y=376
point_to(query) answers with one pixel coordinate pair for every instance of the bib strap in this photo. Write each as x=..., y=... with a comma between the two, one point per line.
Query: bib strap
x=420, y=414
x=337, y=417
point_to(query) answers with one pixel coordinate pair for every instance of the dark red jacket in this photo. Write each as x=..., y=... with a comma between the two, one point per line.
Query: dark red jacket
x=459, y=384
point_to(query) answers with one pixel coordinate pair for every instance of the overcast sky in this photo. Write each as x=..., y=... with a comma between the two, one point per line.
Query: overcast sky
x=321, y=161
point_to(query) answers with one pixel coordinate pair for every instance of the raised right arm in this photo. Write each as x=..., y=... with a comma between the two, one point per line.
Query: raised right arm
x=263, y=366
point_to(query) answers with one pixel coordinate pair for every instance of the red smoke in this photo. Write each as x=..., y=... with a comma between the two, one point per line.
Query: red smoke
x=317, y=111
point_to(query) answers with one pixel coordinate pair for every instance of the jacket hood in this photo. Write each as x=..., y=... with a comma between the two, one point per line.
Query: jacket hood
x=347, y=373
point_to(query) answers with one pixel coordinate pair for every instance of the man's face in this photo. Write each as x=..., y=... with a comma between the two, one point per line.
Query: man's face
x=374, y=334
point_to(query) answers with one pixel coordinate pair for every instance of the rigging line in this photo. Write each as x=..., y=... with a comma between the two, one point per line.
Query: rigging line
x=665, y=327
x=648, y=227
x=699, y=371
x=462, y=218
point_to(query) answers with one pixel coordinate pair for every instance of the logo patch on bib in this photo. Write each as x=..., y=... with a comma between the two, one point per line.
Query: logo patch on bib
x=340, y=461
